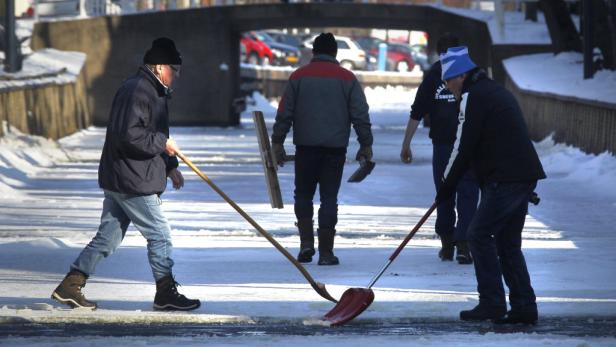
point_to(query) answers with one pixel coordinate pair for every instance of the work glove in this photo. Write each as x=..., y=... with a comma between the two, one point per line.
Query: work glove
x=364, y=152
x=445, y=191
x=279, y=153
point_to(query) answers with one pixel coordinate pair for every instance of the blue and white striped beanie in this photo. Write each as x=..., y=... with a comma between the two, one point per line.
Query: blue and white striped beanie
x=456, y=62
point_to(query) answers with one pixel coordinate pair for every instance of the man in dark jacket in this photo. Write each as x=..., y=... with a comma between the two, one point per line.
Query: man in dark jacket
x=492, y=138
x=321, y=102
x=434, y=99
x=137, y=158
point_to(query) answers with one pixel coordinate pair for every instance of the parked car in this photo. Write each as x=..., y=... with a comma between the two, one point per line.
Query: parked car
x=257, y=52
x=283, y=54
x=400, y=57
x=350, y=55
x=287, y=39
x=420, y=55
x=47, y=8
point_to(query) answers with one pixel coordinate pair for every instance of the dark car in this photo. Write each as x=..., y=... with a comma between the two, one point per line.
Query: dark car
x=420, y=55
x=283, y=54
x=285, y=38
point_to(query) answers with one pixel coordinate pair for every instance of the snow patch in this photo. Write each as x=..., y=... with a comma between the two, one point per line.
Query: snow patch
x=561, y=74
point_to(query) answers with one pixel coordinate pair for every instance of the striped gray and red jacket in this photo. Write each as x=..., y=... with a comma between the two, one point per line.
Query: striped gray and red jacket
x=321, y=101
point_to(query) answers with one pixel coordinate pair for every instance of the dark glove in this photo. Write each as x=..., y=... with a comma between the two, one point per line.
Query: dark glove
x=364, y=152
x=279, y=153
x=445, y=192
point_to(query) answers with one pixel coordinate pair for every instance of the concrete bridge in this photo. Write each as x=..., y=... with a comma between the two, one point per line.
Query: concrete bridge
x=208, y=39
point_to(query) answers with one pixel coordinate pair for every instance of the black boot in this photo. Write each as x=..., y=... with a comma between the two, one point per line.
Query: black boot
x=483, y=312
x=69, y=291
x=446, y=252
x=306, y=237
x=463, y=255
x=168, y=298
x=326, y=247
x=528, y=317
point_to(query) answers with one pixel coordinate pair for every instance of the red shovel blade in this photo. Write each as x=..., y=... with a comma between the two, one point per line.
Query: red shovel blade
x=353, y=302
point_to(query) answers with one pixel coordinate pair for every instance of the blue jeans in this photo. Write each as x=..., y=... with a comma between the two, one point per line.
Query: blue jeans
x=464, y=201
x=495, y=240
x=118, y=211
x=322, y=166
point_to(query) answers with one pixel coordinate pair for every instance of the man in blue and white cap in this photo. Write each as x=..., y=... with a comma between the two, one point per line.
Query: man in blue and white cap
x=493, y=140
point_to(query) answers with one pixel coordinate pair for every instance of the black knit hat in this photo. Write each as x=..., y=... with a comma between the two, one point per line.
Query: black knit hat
x=325, y=44
x=163, y=52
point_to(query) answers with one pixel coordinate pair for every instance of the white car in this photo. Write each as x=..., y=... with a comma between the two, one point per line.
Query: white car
x=350, y=55
x=51, y=8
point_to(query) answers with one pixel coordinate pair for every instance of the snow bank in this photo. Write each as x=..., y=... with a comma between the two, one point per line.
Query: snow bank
x=517, y=30
x=561, y=74
x=47, y=66
x=22, y=156
x=593, y=171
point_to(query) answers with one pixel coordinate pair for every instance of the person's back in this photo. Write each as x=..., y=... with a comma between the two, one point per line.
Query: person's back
x=321, y=101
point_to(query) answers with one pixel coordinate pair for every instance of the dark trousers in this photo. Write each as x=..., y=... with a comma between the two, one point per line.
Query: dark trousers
x=464, y=201
x=322, y=166
x=495, y=240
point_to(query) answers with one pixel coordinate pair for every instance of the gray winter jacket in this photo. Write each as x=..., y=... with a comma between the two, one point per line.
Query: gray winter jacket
x=321, y=101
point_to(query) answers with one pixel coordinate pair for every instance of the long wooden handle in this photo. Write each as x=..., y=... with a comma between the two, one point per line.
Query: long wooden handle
x=318, y=287
x=403, y=244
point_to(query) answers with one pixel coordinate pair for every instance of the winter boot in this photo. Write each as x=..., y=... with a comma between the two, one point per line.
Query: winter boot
x=306, y=238
x=447, y=248
x=326, y=247
x=528, y=317
x=69, y=291
x=167, y=297
x=463, y=255
x=483, y=312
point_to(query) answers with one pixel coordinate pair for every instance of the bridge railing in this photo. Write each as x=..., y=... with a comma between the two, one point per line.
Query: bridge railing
x=116, y=7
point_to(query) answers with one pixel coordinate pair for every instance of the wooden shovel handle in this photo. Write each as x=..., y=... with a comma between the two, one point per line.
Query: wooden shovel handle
x=318, y=287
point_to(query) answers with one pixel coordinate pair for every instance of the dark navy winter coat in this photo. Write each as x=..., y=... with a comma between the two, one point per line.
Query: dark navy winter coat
x=492, y=136
x=133, y=159
x=434, y=99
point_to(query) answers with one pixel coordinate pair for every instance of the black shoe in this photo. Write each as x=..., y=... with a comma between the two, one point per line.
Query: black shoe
x=69, y=291
x=328, y=260
x=519, y=317
x=167, y=297
x=305, y=255
x=463, y=255
x=483, y=312
x=447, y=248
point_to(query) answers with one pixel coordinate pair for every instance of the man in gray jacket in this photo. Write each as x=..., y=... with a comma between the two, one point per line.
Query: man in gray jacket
x=321, y=101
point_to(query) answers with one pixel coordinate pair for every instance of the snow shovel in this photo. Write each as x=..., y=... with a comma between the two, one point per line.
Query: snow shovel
x=354, y=301
x=365, y=168
x=317, y=286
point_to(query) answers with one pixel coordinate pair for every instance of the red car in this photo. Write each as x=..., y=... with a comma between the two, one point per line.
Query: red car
x=399, y=57
x=257, y=52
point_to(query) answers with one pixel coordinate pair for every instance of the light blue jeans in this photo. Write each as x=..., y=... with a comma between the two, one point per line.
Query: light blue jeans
x=118, y=211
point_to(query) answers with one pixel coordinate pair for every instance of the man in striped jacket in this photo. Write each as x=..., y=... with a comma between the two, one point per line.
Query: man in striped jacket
x=321, y=102
x=493, y=140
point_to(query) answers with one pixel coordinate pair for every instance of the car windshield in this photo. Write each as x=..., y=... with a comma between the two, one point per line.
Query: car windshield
x=263, y=36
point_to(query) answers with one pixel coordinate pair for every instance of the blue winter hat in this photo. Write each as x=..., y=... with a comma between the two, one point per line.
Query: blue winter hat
x=456, y=62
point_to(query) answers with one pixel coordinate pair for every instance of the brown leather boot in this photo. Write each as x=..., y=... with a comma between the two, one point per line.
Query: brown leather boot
x=69, y=291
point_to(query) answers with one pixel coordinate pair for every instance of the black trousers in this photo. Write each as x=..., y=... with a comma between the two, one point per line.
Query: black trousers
x=495, y=240
x=320, y=166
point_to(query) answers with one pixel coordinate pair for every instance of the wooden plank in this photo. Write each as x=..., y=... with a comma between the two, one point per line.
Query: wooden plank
x=268, y=160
